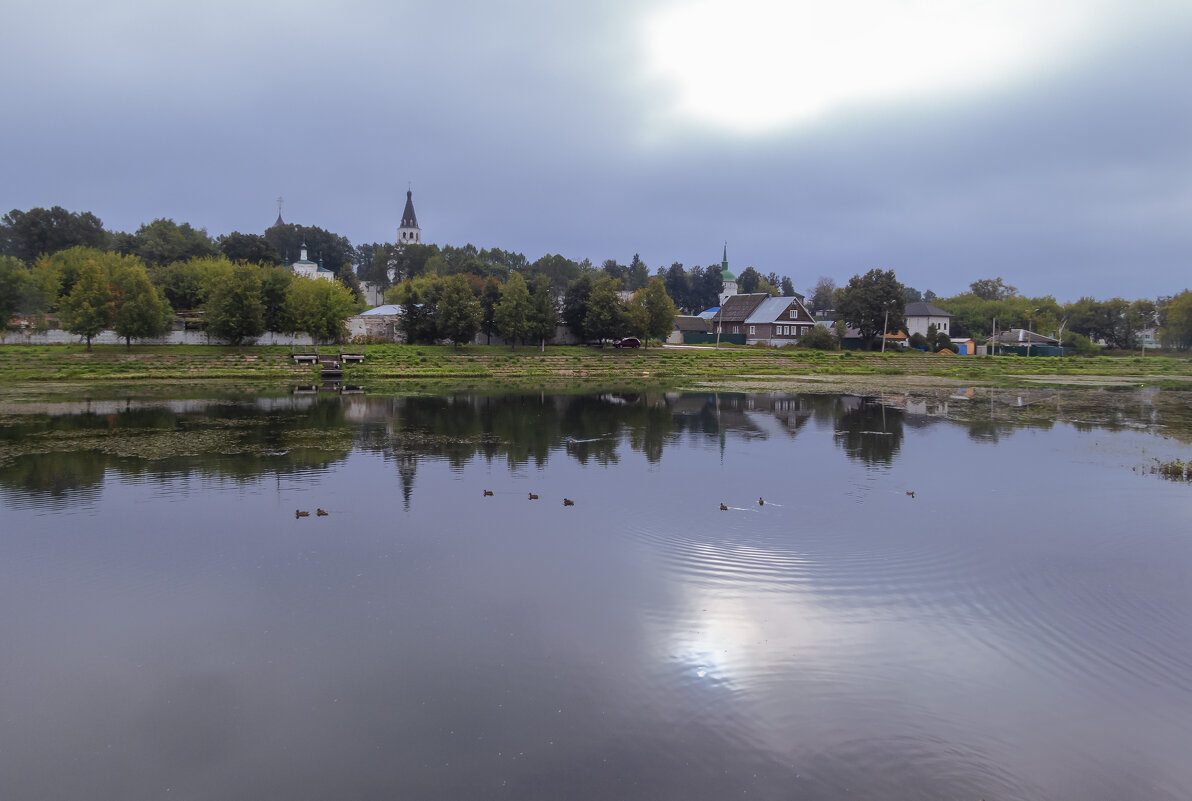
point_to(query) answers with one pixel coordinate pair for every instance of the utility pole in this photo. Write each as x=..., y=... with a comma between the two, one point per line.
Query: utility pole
x=885, y=323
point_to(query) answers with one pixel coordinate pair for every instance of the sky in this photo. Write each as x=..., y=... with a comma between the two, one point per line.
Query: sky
x=1049, y=144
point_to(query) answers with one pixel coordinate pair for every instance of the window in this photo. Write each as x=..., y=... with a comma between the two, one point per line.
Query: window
x=794, y=314
x=752, y=330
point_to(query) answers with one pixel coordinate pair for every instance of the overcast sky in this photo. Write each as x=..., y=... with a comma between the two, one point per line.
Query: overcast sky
x=944, y=139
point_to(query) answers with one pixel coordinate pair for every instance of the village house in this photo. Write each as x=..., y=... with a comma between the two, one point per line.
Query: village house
x=778, y=321
x=921, y=315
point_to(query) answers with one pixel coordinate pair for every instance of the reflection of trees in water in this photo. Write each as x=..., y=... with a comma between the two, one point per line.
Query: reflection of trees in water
x=57, y=480
x=65, y=456
x=868, y=429
x=62, y=459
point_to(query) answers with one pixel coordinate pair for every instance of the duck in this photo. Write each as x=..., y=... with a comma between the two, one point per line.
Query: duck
x=533, y=497
x=723, y=508
x=321, y=512
x=568, y=502
x=488, y=492
x=761, y=502
x=299, y=513
x=910, y=493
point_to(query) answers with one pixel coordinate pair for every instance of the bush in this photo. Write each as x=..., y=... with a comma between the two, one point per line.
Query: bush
x=818, y=338
x=1082, y=344
x=943, y=342
x=918, y=341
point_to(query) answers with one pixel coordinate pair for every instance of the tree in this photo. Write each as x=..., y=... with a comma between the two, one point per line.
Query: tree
x=25, y=235
x=913, y=295
x=992, y=289
x=459, y=311
x=678, y=286
x=873, y=302
x=819, y=338
x=749, y=280
x=319, y=308
x=659, y=309
x=16, y=288
x=275, y=287
x=575, y=306
x=164, y=241
x=544, y=315
x=706, y=285
x=419, y=300
x=141, y=312
x=335, y=251
x=183, y=283
x=1175, y=320
x=252, y=248
x=512, y=314
x=89, y=308
x=606, y=312
x=489, y=299
x=788, y=287
x=613, y=270
x=234, y=309
x=638, y=274
x=820, y=296
x=560, y=270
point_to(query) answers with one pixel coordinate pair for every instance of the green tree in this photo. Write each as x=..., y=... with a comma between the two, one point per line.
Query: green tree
x=992, y=289
x=820, y=296
x=25, y=235
x=749, y=280
x=319, y=308
x=605, y=318
x=489, y=299
x=1175, y=321
x=335, y=251
x=141, y=312
x=544, y=315
x=252, y=248
x=234, y=309
x=638, y=274
x=459, y=311
x=659, y=309
x=275, y=287
x=575, y=306
x=164, y=241
x=16, y=289
x=512, y=314
x=788, y=287
x=419, y=300
x=872, y=302
x=183, y=283
x=90, y=307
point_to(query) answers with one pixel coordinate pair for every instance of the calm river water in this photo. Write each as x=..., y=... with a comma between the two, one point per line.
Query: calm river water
x=1020, y=628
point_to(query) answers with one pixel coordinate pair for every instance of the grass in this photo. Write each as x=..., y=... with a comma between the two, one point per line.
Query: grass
x=562, y=364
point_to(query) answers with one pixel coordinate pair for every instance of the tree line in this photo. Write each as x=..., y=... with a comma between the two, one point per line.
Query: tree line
x=1118, y=322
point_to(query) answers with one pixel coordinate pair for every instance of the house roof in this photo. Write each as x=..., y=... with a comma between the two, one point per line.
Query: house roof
x=737, y=308
x=389, y=309
x=924, y=309
x=1020, y=336
x=691, y=323
x=770, y=310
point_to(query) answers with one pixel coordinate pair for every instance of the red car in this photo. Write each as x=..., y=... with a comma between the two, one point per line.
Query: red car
x=628, y=342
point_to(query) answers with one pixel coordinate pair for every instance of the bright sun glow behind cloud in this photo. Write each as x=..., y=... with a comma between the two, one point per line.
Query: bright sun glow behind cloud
x=758, y=65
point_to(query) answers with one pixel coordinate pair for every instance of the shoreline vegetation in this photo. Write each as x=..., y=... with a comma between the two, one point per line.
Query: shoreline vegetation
x=474, y=366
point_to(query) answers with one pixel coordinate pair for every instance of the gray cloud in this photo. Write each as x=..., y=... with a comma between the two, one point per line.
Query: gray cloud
x=528, y=126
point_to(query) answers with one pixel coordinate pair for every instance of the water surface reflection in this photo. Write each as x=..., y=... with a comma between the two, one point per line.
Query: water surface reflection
x=1020, y=629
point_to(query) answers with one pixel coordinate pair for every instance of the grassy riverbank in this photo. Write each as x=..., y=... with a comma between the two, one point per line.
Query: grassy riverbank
x=577, y=365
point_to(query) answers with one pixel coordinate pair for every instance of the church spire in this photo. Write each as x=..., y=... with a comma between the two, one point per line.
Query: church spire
x=409, y=230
